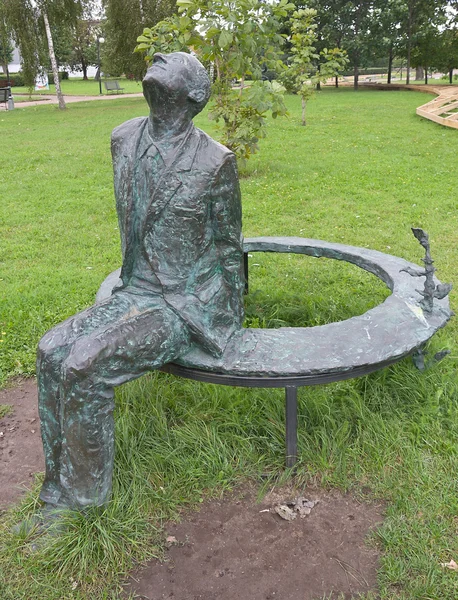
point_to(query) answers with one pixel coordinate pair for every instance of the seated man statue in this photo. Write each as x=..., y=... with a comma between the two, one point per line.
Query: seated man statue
x=178, y=203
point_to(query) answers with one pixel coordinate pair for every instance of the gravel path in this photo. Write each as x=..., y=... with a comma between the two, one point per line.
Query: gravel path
x=51, y=99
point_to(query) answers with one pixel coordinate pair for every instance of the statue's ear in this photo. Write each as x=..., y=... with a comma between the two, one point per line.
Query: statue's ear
x=197, y=95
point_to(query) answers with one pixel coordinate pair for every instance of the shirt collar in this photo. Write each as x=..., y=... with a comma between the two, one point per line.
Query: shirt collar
x=169, y=150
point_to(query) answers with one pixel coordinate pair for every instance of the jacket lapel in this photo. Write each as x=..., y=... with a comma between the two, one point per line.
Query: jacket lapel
x=170, y=180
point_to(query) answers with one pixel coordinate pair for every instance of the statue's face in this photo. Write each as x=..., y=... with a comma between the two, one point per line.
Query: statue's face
x=172, y=73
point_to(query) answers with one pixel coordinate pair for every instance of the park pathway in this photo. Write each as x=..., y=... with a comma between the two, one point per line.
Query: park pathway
x=52, y=99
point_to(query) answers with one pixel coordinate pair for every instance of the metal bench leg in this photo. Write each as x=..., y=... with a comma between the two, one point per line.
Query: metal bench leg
x=245, y=270
x=291, y=426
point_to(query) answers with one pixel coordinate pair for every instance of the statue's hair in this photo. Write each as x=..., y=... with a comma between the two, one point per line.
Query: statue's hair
x=200, y=87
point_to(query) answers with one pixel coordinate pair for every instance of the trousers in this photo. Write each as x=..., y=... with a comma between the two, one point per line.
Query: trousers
x=79, y=363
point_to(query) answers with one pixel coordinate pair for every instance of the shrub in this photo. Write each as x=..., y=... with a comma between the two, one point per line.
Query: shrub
x=16, y=79
x=366, y=71
x=446, y=77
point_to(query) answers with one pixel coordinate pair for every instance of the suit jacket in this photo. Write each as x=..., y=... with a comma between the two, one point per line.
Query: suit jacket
x=191, y=234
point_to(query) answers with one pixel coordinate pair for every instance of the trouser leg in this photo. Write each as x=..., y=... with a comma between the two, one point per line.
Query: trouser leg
x=86, y=464
x=52, y=350
x=86, y=370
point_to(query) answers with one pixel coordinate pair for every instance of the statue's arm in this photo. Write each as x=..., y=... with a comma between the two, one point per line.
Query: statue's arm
x=119, y=183
x=227, y=222
x=123, y=140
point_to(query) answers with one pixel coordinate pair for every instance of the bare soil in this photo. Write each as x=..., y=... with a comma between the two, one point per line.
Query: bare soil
x=237, y=549
x=21, y=454
x=232, y=549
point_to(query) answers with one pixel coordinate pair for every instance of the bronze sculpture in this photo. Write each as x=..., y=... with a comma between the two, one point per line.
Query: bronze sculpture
x=179, y=211
x=179, y=301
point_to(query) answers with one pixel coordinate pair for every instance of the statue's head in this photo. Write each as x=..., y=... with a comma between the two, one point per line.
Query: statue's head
x=179, y=80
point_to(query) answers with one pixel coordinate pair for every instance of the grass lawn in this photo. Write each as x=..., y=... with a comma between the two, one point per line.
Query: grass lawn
x=363, y=171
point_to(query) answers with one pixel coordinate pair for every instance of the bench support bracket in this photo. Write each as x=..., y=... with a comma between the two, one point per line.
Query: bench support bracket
x=291, y=425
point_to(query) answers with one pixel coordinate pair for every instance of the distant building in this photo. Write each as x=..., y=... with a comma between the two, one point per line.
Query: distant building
x=15, y=65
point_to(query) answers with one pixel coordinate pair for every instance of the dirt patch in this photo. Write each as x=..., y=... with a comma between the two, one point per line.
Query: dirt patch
x=21, y=454
x=232, y=549
x=239, y=550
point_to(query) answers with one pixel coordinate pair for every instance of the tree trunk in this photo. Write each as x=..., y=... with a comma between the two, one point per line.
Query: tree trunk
x=242, y=85
x=337, y=81
x=356, y=78
x=426, y=75
x=450, y=76
x=84, y=69
x=52, y=57
x=409, y=42
x=419, y=74
x=318, y=86
x=390, y=64
x=97, y=74
x=218, y=69
x=303, y=112
x=4, y=68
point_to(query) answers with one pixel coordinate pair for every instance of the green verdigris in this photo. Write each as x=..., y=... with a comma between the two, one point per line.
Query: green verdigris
x=179, y=213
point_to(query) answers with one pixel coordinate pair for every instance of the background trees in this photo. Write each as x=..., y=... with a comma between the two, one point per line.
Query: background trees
x=241, y=40
x=30, y=23
x=54, y=33
x=308, y=67
x=124, y=22
x=6, y=49
x=84, y=49
x=448, y=56
x=370, y=30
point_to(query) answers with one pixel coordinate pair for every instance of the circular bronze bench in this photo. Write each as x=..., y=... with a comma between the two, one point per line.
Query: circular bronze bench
x=293, y=357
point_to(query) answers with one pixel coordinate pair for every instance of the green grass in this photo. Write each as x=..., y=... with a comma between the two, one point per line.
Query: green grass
x=5, y=410
x=78, y=87
x=362, y=172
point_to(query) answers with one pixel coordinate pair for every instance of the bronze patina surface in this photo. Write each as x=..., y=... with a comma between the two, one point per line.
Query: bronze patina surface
x=178, y=203
x=311, y=355
x=177, y=302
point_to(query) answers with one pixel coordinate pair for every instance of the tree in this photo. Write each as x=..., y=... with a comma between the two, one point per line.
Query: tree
x=419, y=16
x=84, y=51
x=43, y=12
x=386, y=30
x=347, y=24
x=447, y=59
x=6, y=49
x=239, y=39
x=125, y=21
x=6, y=54
x=426, y=52
x=307, y=67
x=21, y=20
x=329, y=29
x=31, y=23
x=358, y=38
